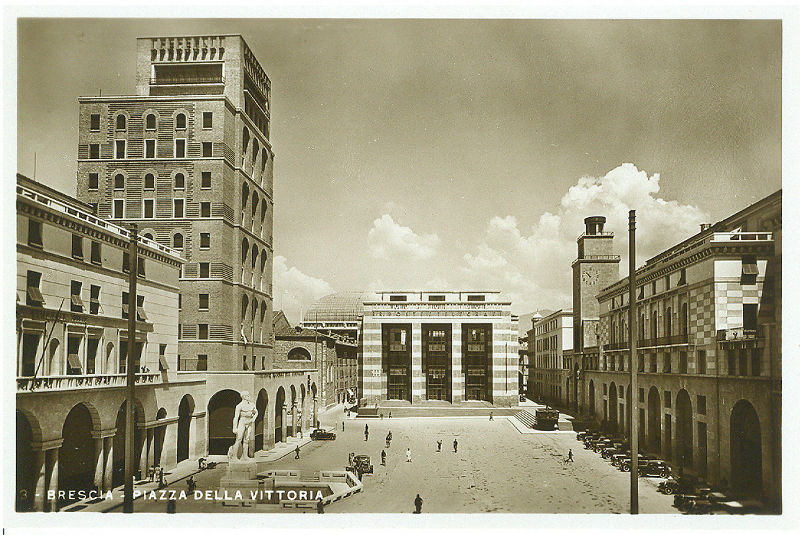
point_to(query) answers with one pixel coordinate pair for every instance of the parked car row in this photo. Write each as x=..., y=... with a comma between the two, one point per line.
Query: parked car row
x=617, y=450
x=695, y=497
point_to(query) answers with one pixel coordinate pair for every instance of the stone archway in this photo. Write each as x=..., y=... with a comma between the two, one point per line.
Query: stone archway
x=158, y=437
x=613, y=407
x=76, y=465
x=27, y=433
x=118, y=473
x=261, y=406
x=683, y=429
x=653, y=420
x=185, y=411
x=280, y=400
x=746, y=459
x=303, y=408
x=221, y=408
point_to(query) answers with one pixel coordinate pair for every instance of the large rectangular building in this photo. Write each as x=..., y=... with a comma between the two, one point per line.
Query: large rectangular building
x=439, y=345
x=72, y=309
x=188, y=158
x=708, y=325
x=551, y=357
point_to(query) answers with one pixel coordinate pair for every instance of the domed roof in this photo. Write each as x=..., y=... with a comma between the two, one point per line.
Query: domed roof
x=340, y=306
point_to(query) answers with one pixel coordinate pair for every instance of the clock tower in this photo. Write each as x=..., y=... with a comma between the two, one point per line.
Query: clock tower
x=595, y=269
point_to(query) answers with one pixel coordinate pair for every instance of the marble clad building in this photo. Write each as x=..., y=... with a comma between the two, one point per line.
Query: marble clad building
x=72, y=335
x=709, y=352
x=445, y=345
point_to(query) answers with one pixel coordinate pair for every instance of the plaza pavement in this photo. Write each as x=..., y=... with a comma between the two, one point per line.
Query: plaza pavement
x=497, y=469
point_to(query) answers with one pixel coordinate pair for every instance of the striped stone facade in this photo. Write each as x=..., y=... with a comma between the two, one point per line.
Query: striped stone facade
x=417, y=315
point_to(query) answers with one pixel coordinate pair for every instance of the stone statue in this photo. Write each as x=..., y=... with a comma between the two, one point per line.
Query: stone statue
x=244, y=421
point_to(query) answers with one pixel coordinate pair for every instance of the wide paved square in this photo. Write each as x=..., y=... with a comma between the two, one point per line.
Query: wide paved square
x=496, y=469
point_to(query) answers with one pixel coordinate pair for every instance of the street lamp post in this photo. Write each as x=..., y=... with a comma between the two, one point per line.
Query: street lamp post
x=130, y=384
x=633, y=396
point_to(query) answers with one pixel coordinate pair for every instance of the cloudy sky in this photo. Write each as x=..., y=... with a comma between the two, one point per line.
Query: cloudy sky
x=459, y=153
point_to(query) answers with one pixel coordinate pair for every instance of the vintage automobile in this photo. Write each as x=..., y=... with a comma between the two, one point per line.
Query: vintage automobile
x=321, y=434
x=590, y=442
x=546, y=419
x=614, y=449
x=590, y=435
x=625, y=465
x=654, y=468
x=617, y=458
x=361, y=463
x=602, y=443
x=580, y=434
x=678, y=485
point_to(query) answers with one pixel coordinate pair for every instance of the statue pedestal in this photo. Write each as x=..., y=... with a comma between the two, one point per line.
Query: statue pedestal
x=240, y=486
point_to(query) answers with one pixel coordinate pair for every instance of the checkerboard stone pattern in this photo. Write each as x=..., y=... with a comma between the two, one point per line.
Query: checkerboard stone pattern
x=729, y=296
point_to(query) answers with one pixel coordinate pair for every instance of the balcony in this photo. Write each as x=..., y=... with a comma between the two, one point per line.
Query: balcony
x=738, y=338
x=60, y=383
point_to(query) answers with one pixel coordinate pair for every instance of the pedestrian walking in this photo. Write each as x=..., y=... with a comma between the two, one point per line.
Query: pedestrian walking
x=366, y=428
x=390, y=414
x=350, y=459
x=320, y=506
x=342, y=425
x=297, y=452
x=171, y=506
x=366, y=436
x=408, y=455
x=418, y=505
x=569, y=457
x=491, y=416
x=455, y=445
x=190, y=484
x=383, y=457
x=438, y=445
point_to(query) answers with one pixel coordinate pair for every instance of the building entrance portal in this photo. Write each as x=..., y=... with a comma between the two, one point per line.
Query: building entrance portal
x=437, y=361
x=396, y=341
x=475, y=346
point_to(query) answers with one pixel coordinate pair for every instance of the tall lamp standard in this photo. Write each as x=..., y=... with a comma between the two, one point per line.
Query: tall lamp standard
x=130, y=377
x=633, y=397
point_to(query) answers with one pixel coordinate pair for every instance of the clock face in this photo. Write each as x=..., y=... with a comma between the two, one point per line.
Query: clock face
x=590, y=276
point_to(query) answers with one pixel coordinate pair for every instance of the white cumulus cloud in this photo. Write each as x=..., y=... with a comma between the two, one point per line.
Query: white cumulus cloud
x=387, y=239
x=533, y=267
x=294, y=290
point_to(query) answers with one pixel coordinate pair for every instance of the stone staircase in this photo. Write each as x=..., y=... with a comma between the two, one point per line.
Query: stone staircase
x=527, y=419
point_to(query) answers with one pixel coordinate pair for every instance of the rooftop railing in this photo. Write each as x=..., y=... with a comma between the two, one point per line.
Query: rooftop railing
x=92, y=219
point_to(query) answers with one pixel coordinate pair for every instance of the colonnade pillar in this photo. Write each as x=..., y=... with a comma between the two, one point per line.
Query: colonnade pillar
x=51, y=500
x=40, y=477
x=108, y=474
x=283, y=422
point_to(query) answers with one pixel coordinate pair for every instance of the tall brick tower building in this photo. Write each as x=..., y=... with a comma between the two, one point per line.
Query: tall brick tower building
x=595, y=268
x=188, y=158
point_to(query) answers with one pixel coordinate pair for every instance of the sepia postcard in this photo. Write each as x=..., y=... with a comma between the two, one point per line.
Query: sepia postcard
x=456, y=267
